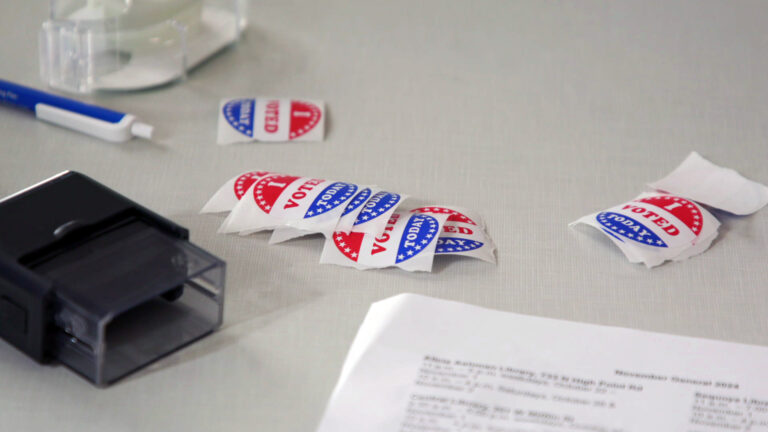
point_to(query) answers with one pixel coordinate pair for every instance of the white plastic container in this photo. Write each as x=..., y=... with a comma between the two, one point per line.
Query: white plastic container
x=89, y=45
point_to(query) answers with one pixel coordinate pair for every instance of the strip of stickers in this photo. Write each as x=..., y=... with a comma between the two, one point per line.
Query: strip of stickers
x=364, y=226
x=672, y=224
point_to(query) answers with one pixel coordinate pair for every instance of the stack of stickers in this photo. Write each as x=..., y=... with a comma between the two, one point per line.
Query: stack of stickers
x=672, y=222
x=364, y=226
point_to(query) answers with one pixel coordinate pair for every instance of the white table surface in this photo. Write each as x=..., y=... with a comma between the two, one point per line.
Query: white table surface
x=533, y=113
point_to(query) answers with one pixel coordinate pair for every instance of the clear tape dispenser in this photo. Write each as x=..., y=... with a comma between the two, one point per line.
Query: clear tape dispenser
x=90, y=45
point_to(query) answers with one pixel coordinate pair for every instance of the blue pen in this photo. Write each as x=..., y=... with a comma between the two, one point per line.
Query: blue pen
x=88, y=119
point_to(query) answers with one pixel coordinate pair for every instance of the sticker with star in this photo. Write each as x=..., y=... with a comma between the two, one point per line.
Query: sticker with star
x=420, y=231
x=656, y=220
x=465, y=239
x=448, y=245
x=239, y=114
x=455, y=214
x=376, y=211
x=334, y=196
x=463, y=233
x=359, y=200
x=267, y=190
x=408, y=241
x=244, y=182
x=655, y=227
x=280, y=200
x=270, y=119
x=229, y=194
x=625, y=226
x=323, y=214
x=348, y=217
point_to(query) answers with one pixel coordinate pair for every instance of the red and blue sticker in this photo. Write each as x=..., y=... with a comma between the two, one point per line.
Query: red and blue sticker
x=304, y=117
x=457, y=224
x=378, y=205
x=349, y=244
x=331, y=197
x=629, y=228
x=244, y=182
x=268, y=190
x=239, y=114
x=447, y=245
x=271, y=119
x=654, y=221
x=357, y=201
x=454, y=215
x=419, y=232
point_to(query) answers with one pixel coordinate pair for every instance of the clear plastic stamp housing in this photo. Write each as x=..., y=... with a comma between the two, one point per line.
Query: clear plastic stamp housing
x=129, y=297
x=89, y=45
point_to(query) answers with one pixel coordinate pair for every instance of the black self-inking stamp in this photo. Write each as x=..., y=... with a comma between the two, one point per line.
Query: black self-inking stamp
x=99, y=283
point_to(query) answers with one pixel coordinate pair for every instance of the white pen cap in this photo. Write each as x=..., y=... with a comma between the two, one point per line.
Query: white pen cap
x=142, y=130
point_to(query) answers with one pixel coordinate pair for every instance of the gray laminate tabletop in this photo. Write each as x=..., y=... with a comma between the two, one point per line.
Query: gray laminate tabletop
x=533, y=113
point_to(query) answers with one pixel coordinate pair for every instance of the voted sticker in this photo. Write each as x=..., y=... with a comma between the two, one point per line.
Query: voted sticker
x=231, y=192
x=239, y=113
x=302, y=205
x=270, y=119
x=656, y=227
x=377, y=206
x=349, y=244
x=455, y=214
x=332, y=197
x=244, y=182
x=272, y=201
x=420, y=231
x=268, y=190
x=671, y=224
x=305, y=118
x=625, y=226
x=662, y=221
x=462, y=233
x=376, y=211
x=353, y=208
x=408, y=241
x=447, y=245
x=360, y=199
x=322, y=215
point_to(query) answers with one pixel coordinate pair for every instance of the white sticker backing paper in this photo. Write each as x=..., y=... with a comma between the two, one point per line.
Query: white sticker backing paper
x=722, y=188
